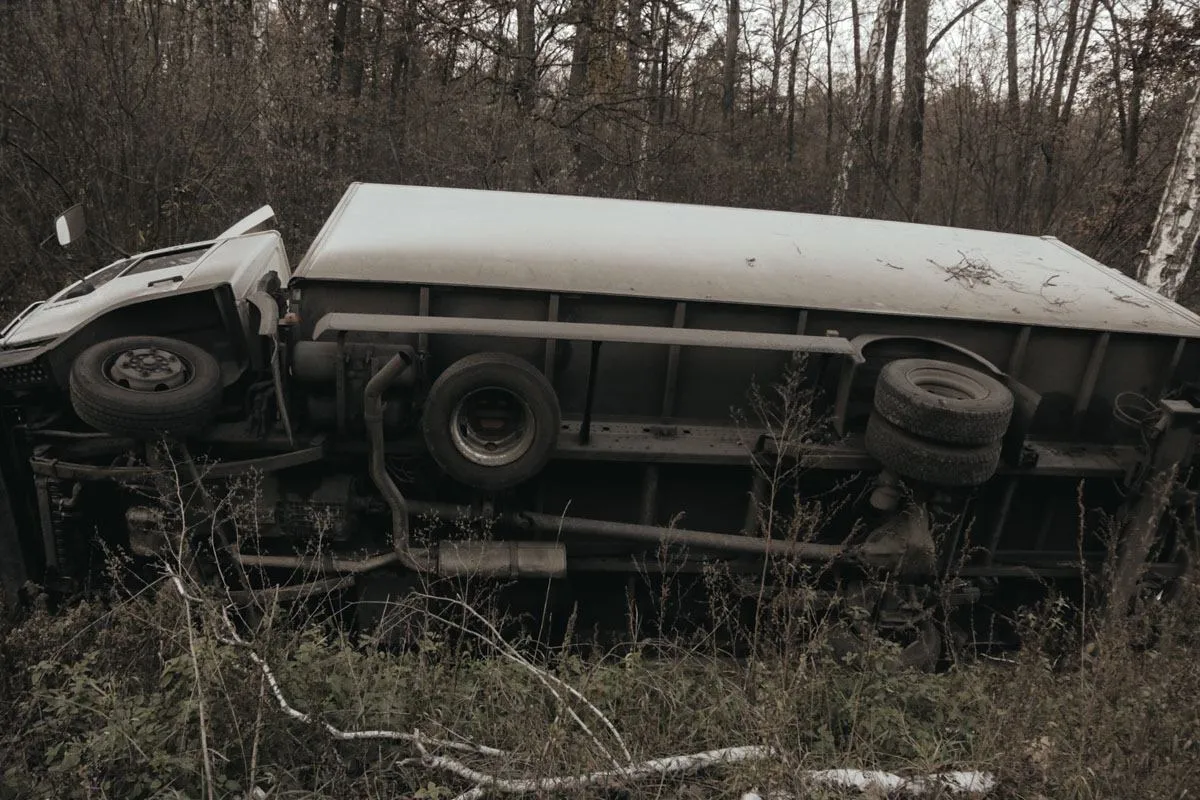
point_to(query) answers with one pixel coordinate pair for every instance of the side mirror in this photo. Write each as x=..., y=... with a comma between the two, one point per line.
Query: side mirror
x=70, y=225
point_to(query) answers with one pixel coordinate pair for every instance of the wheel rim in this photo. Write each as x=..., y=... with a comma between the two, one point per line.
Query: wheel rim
x=148, y=369
x=492, y=426
x=953, y=387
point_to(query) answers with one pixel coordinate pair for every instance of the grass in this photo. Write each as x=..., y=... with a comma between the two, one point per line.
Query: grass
x=139, y=697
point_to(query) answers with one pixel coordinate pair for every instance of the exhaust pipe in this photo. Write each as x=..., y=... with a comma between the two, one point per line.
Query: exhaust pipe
x=373, y=419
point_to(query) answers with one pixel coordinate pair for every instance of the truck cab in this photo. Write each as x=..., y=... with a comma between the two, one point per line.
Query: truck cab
x=211, y=293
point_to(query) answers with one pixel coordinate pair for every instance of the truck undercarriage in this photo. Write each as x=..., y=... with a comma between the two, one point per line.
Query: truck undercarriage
x=317, y=514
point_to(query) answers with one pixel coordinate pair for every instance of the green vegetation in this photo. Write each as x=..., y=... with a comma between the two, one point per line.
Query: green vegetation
x=144, y=695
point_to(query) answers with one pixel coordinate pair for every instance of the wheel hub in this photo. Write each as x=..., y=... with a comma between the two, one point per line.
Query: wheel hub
x=148, y=369
x=492, y=427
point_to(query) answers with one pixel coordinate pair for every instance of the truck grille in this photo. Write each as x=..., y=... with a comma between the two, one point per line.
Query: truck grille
x=24, y=375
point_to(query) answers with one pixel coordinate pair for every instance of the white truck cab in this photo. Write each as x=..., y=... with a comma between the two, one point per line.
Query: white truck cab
x=240, y=256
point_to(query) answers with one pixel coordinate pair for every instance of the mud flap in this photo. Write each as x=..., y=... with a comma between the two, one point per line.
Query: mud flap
x=1025, y=406
x=13, y=572
x=269, y=327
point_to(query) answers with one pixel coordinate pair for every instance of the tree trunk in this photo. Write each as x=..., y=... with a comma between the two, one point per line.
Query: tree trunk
x=524, y=67
x=1138, y=59
x=1016, y=131
x=581, y=49
x=1164, y=264
x=1010, y=41
x=732, y=27
x=856, y=27
x=634, y=49
x=916, y=36
x=354, y=47
x=868, y=71
x=664, y=67
x=778, y=43
x=886, y=89
x=337, y=46
x=577, y=86
x=791, y=85
x=829, y=87
x=1053, y=131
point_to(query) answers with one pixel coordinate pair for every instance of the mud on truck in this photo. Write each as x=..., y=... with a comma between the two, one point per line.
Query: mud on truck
x=604, y=381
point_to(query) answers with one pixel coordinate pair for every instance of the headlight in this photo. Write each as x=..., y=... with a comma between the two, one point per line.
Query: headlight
x=27, y=345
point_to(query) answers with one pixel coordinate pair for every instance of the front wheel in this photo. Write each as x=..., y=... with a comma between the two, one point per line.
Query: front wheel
x=145, y=387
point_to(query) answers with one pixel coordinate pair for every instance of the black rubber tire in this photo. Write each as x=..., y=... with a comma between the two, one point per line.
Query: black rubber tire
x=930, y=462
x=108, y=407
x=483, y=370
x=903, y=397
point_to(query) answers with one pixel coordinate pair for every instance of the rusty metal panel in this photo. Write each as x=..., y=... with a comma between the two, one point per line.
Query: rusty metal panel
x=569, y=244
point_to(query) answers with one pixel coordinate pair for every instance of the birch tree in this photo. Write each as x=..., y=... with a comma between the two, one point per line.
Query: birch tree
x=1164, y=264
x=868, y=70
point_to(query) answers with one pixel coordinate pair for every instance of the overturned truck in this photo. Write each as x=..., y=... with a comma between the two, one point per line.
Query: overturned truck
x=607, y=384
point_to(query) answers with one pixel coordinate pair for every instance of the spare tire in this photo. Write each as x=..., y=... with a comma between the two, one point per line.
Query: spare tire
x=491, y=421
x=146, y=386
x=931, y=462
x=942, y=401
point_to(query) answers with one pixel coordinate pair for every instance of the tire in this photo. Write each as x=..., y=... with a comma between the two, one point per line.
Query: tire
x=930, y=462
x=942, y=401
x=124, y=400
x=452, y=430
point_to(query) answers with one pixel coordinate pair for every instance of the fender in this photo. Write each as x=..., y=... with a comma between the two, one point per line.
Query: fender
x=205, y=316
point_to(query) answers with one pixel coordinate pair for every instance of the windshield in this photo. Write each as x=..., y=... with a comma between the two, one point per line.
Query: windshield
x=92, y=282
x=177, y=258
x=164, y=260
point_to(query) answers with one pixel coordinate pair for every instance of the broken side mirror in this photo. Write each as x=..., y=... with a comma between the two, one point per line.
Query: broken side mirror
x=70, y=225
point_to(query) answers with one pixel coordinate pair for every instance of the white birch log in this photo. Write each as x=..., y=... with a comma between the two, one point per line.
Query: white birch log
x=887, y=782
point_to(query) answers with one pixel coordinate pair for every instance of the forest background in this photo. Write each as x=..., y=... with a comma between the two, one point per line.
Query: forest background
x=169, y=119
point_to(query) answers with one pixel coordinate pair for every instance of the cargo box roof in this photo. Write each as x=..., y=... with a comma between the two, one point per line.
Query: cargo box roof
x=570, y=244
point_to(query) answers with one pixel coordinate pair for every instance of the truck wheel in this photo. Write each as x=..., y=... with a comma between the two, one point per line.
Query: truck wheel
x=943, y=401
x=930, y=462
x=146, y=386
x=491, y=421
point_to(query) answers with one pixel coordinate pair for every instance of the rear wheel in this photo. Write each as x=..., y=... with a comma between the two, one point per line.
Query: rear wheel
x=146, y=386
x=491, y=421
x=942, y=401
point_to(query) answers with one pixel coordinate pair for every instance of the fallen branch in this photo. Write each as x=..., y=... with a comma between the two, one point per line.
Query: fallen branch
x=234, y=639
x=867, y=780
x=647, y=769
x=509, y=652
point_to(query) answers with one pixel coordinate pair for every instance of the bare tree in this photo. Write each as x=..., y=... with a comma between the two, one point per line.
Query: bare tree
x=525, y=67
x=167, y=117
x=861, y=105
x=733, y=21
x=916, y=52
